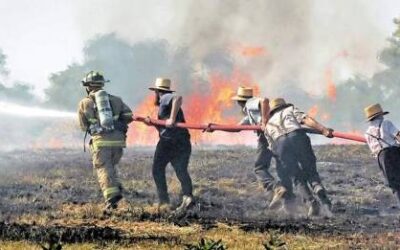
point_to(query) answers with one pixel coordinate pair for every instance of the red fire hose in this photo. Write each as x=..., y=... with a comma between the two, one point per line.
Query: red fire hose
x=234, y=128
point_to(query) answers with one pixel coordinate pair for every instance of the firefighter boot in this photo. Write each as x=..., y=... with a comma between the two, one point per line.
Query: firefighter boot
x=279, y=193
x=112, y=203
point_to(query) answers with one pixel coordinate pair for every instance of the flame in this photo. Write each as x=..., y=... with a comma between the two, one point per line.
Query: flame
x=249, y=51
x=313, y=111
x=140, y=133
x=330, y=84
x=213, y=105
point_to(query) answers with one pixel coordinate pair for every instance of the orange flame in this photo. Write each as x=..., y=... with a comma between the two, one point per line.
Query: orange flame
x=330, y=84
x=213, y=105
x=313, y=111
x=249, y=51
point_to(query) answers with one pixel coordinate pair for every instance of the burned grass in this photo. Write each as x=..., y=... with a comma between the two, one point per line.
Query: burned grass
x=47, y=191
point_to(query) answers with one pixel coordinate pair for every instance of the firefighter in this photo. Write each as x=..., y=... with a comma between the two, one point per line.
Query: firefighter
x=383, y=140
x=289, y=140
x=173, y=147
x=105, y=117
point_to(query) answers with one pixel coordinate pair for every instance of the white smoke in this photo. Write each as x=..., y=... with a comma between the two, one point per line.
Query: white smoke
x=301, y=38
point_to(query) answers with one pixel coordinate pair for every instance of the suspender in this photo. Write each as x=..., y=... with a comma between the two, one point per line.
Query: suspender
x=378, y=138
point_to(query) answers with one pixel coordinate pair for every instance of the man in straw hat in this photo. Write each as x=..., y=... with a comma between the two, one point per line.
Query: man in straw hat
x=383, y=140
x=289, y=140
x=256, y=112
x=173, y=147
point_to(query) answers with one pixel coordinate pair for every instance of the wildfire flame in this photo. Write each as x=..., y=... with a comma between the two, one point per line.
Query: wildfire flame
x=212, y=106
x=249, y=51
x=330, y=84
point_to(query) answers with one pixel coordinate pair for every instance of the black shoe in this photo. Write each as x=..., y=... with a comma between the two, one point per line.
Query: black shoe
x=320, y=191
x=112, y=203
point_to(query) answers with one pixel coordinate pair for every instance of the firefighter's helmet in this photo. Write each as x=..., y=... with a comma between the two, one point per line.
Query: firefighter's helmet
x=94, y=79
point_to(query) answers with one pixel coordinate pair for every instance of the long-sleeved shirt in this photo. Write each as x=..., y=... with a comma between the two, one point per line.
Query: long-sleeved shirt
x=284, y=121
x=252, y=110
x=381, y=134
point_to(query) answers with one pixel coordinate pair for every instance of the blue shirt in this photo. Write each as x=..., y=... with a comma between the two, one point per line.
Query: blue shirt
x=164, y=113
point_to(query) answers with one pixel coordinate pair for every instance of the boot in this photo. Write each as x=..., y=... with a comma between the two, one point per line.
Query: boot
x=279, y=193
x=112, y=203
x=320, y=191
x=314, y=209
x=187, y=202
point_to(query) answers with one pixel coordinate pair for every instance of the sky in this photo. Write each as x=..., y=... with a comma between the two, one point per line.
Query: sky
x=44, y=36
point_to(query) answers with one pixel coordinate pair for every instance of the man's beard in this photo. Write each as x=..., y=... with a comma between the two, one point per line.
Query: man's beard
x=157, y=99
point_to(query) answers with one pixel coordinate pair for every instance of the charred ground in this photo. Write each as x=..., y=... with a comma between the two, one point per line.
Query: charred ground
x=53, y=193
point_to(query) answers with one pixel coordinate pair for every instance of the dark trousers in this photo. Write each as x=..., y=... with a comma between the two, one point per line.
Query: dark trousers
x=298, y=162
x=177, y=152
x=262, y=164
x=389, y=163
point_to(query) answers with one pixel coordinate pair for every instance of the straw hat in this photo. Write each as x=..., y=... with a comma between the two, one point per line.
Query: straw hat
x=243, y=94
x=163, y=84
x=373, y=111
x=276, y=103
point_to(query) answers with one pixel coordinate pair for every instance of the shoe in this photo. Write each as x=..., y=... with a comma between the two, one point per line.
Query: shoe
x=318, y=188
x=314, y=209
x=276, y=201
x=112, y=203
x=187, y=202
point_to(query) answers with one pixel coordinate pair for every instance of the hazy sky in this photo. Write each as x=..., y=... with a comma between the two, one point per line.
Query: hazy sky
x=44, y=36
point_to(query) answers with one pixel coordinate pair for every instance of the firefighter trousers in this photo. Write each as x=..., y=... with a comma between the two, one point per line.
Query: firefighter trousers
x=105, y=160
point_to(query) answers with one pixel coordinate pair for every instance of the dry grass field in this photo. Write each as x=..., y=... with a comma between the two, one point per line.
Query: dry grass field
x=53, y=194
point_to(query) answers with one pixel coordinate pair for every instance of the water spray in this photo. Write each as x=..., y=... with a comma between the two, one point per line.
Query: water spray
x=26, y=111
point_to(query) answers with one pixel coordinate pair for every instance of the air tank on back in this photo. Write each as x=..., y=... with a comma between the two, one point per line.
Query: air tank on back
x=104, y=110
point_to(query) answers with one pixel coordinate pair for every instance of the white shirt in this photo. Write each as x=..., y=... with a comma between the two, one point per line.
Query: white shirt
x=381, y=134
x=284, y=121
x=253, y=112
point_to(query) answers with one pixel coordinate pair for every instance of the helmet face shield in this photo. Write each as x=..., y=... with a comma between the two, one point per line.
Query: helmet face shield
x=93, y=79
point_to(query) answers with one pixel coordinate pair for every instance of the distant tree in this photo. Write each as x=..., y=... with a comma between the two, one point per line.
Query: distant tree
x=130, y=69
x=19, y=92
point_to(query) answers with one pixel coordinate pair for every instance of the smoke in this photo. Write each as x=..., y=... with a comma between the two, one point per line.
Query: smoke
x=286, y=47
x=301, y=38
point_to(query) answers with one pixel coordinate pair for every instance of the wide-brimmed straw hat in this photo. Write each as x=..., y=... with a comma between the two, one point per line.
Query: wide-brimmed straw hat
x=163, y=84
x=277, y=103
x=374, y=111
x=243, y=94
